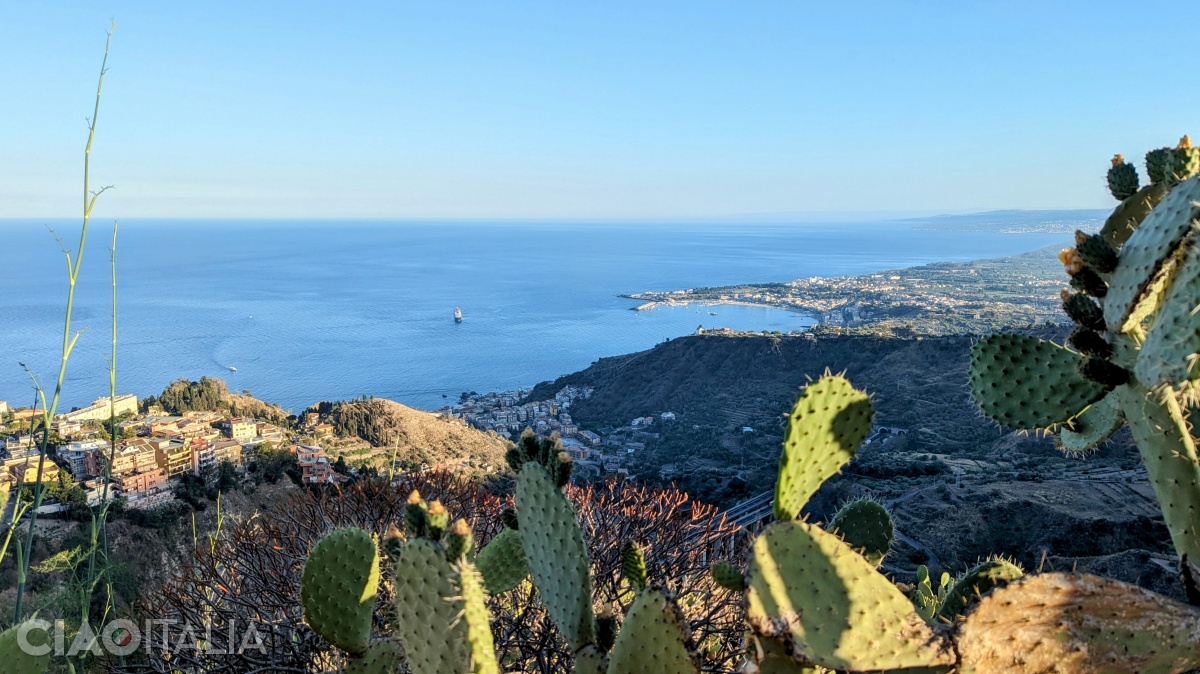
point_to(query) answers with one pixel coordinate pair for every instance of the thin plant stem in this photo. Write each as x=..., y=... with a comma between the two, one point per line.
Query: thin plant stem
x=69, y=339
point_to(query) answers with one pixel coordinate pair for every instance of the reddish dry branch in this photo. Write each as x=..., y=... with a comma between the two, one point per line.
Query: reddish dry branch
x=252, y=574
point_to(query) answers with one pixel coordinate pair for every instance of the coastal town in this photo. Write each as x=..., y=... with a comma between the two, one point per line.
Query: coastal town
x=935, y=299
x=611, y=451
x=153, y=450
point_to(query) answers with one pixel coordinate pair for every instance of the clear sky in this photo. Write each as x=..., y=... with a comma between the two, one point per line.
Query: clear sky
x=615, y=109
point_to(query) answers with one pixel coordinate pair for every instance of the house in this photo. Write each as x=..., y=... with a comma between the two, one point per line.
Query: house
x=77, y=456
x=667, y=416
x=590, y=438
x=135, y=485
x=24, y=470
x=240, y=428
x=314, y=465
x=4, y=407
x=26, y=415
x=321, y=430
x=104, y=408
x=67, y=429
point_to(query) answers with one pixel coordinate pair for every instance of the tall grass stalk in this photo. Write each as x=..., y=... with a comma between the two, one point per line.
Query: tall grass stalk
x=69, y=338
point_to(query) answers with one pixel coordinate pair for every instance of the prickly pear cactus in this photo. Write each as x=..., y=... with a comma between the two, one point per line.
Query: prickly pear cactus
x=633, y=566
x=976, y=582
x=1078, y=624
x=442, y=620
x=337, y=588
x=727, y=576
x=502, y=562
x=15, y=660
x=653, y=638
x=867, y=527
x=1142, y=359
x=810, y=590
x=828, y=424
x=556, y=554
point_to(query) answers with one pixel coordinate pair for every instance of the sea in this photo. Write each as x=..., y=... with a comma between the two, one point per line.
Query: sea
x=296, y=312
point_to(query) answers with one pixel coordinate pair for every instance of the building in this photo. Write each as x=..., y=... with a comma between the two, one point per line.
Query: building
x=204, y=456
x=135, y=485
x=314, y=465
x=24, y=470
x=228, y=451
x=173, y=457
x=131, y=456
x=240, y=428
x=102, y=409
x=4, y=407
x=77, y=455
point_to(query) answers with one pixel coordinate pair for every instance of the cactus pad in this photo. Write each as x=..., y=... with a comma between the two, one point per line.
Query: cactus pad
x=633, y=565
x=867, y=527
x=502, y=562
x=1122, y=179
x=337, y=588
x=383, y=657
x=1077, y=624
x=771, y=656
x=829, y=422
x=652, y=639
x=1143, y=254
x=809, y=589
x=441, y=619
x=1169, y=453
x=976, y=582
x=727, y=576
x=16, y=660
x=1168, y=356
x=1097, y=254
x=556, y=554
x=1026, y=383
x=1130, y=213
x=1095, y=425
x=591, y=660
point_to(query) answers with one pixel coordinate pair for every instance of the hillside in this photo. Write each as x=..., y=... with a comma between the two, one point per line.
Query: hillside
x=959, y=486
x=211, y=394
x=421, y=437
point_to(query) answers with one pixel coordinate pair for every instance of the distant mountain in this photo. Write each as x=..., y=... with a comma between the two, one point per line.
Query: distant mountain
x=1013, y=221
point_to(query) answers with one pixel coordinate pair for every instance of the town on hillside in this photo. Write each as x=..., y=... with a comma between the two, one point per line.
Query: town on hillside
x=153, y=450
x=595, y=454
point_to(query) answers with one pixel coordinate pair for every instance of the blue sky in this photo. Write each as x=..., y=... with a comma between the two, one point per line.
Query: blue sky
x=585, y=110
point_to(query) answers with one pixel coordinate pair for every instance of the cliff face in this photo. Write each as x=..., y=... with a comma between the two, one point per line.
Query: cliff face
x=959, y=486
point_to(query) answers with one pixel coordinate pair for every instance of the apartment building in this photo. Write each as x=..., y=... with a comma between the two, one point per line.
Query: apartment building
x=104, y=408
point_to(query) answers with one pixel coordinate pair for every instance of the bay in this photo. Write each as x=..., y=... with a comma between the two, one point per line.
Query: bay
x=325, y=310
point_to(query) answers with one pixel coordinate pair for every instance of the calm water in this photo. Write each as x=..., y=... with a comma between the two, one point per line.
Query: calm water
x=308, y=311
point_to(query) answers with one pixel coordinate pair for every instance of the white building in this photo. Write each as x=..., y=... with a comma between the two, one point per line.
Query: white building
x=102, y=409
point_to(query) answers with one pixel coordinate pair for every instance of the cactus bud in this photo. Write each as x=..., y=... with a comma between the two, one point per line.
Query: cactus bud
x=562, y=469
x=459, y=540
x=415, y=518
x=1122, y=179
x=727, y=576
x=1089, y=282
x=438, y=519
x=393, y=542
x=1104, y=372
x=1090, y=342
x=1097, y=254
x=1083, y=310
x=509, y=517
x=1185, y=160
x=633, y=565
x=1158, y=164
x=606, y=628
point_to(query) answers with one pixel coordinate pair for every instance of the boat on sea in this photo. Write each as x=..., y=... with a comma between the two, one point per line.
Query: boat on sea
x=232, y=368
x=457, y=315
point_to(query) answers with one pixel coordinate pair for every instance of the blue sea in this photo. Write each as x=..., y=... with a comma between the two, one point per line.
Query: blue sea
x=324, y=310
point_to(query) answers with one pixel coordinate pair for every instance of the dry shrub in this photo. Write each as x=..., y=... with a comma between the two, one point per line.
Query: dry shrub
x=251, y=574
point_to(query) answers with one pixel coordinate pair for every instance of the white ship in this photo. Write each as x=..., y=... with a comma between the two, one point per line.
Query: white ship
x=457, y=315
